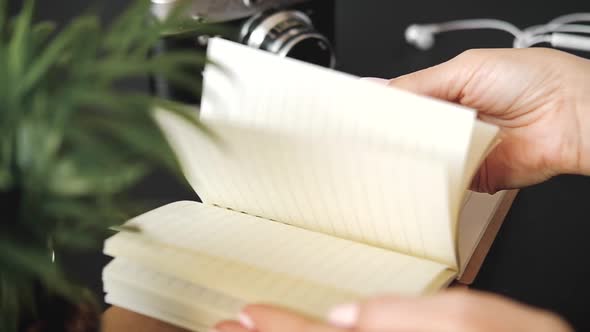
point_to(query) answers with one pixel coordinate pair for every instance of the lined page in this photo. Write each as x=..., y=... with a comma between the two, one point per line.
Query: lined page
x=376, y=194
x=257, y=260
x=259, y=90
x=358, y=193
x=168, y=298
x=120, y=272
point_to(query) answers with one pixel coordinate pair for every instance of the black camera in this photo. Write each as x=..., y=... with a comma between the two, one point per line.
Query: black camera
x=292, y=28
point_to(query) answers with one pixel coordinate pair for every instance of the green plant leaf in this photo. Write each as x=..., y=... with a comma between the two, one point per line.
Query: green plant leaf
x=2, y=18
x=56, y=49
x=41, y=33
x=71, y=177
x=144, y=138
x=18, y=46
x=32, y=263
x=72, y=142
x=165, y=64
x=127, y=29
x=126, y=228
x=76, y=238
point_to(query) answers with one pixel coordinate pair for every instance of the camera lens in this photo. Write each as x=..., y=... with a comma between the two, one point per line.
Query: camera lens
x=288, y=33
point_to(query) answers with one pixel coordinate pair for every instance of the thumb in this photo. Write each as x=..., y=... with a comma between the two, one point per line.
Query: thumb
x=444, y=81
x=392, y=313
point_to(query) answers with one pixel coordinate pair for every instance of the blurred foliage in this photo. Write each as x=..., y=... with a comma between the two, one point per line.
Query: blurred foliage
x=72, y=141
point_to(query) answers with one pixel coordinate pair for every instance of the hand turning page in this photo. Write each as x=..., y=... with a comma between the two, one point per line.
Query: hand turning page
x=319, y=188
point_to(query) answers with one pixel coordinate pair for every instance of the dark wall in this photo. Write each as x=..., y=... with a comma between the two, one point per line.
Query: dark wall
x=539, y=256
x=370, y=37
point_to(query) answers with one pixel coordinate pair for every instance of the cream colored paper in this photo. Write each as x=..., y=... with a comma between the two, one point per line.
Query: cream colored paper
x=373, y=193
x=165, y=297
x=256, y=89
x=256, y=260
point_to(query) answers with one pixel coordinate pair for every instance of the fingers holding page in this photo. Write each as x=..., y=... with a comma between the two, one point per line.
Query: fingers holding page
x=447, y=311
x=265, y=318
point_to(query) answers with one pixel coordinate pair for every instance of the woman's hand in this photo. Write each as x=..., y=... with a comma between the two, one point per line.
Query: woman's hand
x=539, y=97
x=452, y=311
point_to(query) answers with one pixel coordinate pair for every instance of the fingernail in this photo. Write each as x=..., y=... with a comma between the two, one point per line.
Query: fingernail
x=375, y=79
x=246, y=321
x=344, y=316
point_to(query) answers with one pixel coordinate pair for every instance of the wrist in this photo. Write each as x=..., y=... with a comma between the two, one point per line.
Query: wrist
x=575, y=147
x=582, y=111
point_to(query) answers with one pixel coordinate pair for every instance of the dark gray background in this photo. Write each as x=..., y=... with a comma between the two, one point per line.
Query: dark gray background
x=541, y=254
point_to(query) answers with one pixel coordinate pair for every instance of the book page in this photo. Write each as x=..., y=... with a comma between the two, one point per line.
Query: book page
x=257, y=89
x=162, y=296
x=377, y=194
x=254, y=260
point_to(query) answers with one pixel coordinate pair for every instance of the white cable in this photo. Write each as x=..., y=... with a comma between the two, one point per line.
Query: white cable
x=570, y=18
x=523, y=40
x=541, y=29
x=558, y=22
x=534, y=40
x=422, y=36
x=570, y=41
x=476, y=24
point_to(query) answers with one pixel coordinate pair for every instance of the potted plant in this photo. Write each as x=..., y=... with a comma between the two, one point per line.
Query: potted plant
x=72, y=142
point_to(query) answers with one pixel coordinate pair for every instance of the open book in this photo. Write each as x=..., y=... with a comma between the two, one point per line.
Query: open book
x=318, y=188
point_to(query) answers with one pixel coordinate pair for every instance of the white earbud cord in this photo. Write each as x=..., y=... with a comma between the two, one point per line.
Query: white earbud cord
x=422, y=36
x=530, y=36
x=476, y=24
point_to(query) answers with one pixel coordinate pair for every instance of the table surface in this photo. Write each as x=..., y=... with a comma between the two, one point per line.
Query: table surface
x=539, y=256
